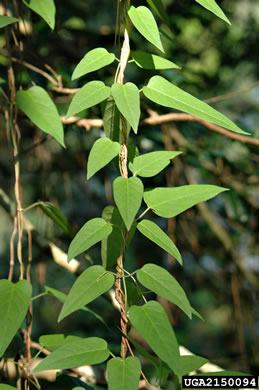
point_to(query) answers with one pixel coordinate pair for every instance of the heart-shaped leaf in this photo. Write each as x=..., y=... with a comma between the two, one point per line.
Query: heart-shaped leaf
x=45, y=8
x=128, y=196
x=95, y=59
x=169, y=202
x=161, y=91
x=213, y=7
x=89, y=95
x=144, y=21
x=92, y=350
x=127, y=100
x=92, y=232
x=151, y=61
x=92, y=283
x=102, y=152
x=5, y=20
x=123, y=374
x=151, y=321
x=159, y=237
x=15, y=299
x=150, y=164
x=160, y=281
x=38, y=106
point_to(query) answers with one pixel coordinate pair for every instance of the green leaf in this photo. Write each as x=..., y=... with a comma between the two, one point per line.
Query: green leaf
x=45, y=8
x=38, y=106
x=54, y=341
x=213, y=7
x=135, y=292
x=128, y=196
x=127, y=100
x=150, y=164
x=5, y=20
x=111, y=121
x=102, y=152
x=162, y=92
x=57, y=216
x=95, y=59
x=92, y=283
x=7, y=387
x=158, y=7
x=169, y=202
x=145, y=23
x=192, y=363
x=113, y=244
x=92, y=232
x=159, y=237
x=14, y=303
x=92, y=350
x=197, y=314
x=151, y=321
x=152, y=61
x=123, y=374
x=160, y=281
x=89, y=95
x=142, y=350
x=62, y=297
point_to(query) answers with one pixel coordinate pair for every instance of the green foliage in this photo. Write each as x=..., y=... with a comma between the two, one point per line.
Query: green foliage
x=121, y=111
x=123, y=374
x=15, y=299
x=169, y=202
x=35, y=103
x=93, y=60
x=92, y=283
x=153, y=325
x=6, y=20
x=159, y=280
x=89, y=95
x=161, y=91
x=92, y=350
x=158, y=236
x=92, y=232
x=45, y=8
x=145, y=23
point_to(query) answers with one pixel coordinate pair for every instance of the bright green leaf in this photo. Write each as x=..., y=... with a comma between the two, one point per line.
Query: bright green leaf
x=160, y=281
x=14, y=303
x=158, y=7
x=150, y=164
x=123, y=374
x=102, y=152
x=127, y=100
x=92, y=350
x=162, y=92
x=89, y=95
x=145, y=23
x=57, y=216
x=7, y=387
x=5, y=20
x=38, y=106
x=54, y=341
x=159, y=237
x=212, y=6
x=92, y=232
x=152, y=323
x=92, y=283
x=171, y=201
x=113, y=244
x=45, y=8
x=95, y=59
x=128, y=196
x=191, y=363
x=151, y=61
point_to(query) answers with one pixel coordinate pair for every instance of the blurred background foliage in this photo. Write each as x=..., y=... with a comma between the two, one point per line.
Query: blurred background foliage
x=219, y=241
